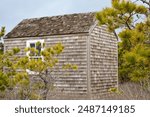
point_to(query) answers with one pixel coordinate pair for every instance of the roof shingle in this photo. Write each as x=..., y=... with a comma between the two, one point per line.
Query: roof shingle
x=55, y=25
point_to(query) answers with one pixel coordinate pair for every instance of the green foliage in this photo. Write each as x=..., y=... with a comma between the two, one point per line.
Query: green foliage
x=3, y=81
x=38, y=43
x=1, y=48
x=121, y=14
x=16, y=50
x=70, y=66
x=10, y=77
x=115, y=90
x=133, y=21
x=18, y=73
x=2, y=31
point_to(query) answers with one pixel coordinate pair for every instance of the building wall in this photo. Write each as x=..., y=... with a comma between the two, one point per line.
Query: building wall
x=103, y=60
x=95, y=54
x=75, y=52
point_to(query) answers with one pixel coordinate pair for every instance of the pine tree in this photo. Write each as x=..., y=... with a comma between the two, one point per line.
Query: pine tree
x=2, y=32
x=133, y=22
x=17, y=83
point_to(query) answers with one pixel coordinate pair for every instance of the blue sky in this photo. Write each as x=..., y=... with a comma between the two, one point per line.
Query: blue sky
x=13, y=11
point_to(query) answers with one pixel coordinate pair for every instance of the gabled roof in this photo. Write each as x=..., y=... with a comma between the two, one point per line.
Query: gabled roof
x=55, y=25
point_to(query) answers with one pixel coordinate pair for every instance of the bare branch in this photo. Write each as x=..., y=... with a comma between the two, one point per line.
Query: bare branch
x=116, y=35
x=146, y=2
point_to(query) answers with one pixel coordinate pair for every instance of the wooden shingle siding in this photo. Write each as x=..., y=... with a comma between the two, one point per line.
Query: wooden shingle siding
x=12, y=43
x=75, y=52
x=91, y=47
x=103, y=60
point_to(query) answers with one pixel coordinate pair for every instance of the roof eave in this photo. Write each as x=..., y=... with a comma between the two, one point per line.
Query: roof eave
x=46, y=35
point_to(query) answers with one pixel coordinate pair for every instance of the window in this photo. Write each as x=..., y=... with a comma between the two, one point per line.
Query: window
x=38, y=46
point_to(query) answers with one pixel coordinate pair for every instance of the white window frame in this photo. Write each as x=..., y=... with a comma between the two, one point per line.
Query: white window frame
x=28, y=42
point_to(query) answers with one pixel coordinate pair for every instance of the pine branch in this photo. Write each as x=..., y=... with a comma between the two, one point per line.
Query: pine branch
x=146, y=2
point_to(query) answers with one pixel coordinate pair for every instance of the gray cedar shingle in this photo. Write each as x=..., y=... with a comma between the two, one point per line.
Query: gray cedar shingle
x=55, y=25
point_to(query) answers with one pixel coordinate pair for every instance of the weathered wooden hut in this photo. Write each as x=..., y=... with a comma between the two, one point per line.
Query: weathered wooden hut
x=87, y=45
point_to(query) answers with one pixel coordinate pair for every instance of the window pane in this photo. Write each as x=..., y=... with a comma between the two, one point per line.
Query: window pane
x=38, y=47
x=32, y=45
x=35, y=46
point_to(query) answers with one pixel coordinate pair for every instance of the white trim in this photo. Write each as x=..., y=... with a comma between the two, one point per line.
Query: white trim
x=31, y=72
x=33, y=41
x=28, y=42
x=93, y=26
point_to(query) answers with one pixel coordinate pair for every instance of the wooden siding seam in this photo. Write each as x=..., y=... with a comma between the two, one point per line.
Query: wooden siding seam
x=88, y=66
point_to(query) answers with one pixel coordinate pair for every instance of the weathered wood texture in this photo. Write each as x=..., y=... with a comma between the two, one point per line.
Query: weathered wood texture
x=75, y=52
x=103, y=60
x=73, y=82
x=95, y=54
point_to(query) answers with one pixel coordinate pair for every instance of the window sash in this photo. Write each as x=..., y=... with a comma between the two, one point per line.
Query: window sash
x=33, y=42
x=28, y=45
